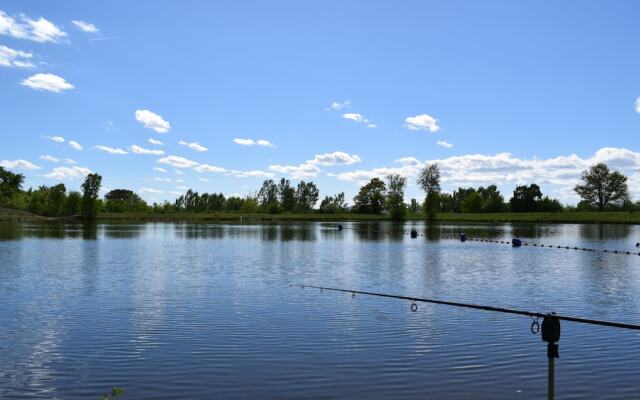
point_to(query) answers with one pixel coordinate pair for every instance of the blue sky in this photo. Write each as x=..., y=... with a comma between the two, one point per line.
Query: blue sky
x=335, y=91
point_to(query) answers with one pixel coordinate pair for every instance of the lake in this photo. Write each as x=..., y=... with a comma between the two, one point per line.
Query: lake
x=201, y=311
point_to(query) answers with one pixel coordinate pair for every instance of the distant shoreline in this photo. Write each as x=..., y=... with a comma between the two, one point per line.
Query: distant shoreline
x=617, y=217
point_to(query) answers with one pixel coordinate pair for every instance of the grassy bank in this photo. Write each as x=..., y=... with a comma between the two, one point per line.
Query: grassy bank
x=560, y=217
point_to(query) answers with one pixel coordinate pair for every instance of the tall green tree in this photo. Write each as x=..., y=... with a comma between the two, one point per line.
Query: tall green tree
x=121, y=200
x=601, y=187
x=525, y=198
x=429, y=181
x=332, y=204
x=395, y=196
x=10, y=187
x=306, y=196
x=371, y=197
x=90, y=193
x=286, y=195
x=268, y=197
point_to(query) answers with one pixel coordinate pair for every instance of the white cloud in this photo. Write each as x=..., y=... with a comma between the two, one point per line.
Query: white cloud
x=48, y=82
x=57, y=139
x=193, y=146
x=150, y=190
x=18, y=164
x=61, y=173
x=251, y=142
x=141, y=150
x=75, y=145
x=638, y=105
x=85, y=26
x=209, y=168
x=359, y=118
x=264, y=143
x=178, y=172
x=306, y=170
x=178, y=162
x=251, y=174
x=335, y=158
x=164, y=171
x=111, y=150
x=422, y=122
x=23, y=27
x=156, y=142
x=203, y=179
x=157, y=179
x=179, y=180
x=15, y=58
x=182, y=187
x=176, y=193
x=153, y=121
x=505, y=170
x=339, y=105
x=444, y=144
x=49, y=158
x=69, y=161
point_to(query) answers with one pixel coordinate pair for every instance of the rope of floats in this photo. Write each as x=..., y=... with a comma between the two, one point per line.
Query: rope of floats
x=517, y=243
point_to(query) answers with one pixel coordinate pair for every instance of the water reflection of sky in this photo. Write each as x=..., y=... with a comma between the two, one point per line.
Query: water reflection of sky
x=205, y=310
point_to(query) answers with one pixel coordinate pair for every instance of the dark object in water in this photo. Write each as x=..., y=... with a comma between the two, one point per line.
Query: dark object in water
x=414, y=234
x=637, y=244
x=340, y=227
x=516, y=242
x=463, y=237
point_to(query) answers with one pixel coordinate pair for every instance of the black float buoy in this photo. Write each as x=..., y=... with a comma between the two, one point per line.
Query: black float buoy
x=414, y=234
x=463, y=237
x=340, y=227
x=516, y=242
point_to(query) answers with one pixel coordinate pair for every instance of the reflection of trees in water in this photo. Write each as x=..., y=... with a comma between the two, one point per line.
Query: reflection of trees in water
x=533, y=230
x=605, y=231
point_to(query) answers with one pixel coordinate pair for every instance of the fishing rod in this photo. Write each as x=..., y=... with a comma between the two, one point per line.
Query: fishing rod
x=550, y=329
x=484, y=308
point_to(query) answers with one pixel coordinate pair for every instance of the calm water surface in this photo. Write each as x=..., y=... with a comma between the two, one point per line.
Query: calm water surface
x=206, y=311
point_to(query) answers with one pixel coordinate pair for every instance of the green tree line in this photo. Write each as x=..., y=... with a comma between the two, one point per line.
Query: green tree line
x=600, y=189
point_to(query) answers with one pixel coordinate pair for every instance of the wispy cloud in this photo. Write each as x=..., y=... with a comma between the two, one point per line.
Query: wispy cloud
x=638, y=105
x=162, y=170
x=61, y=173
x=359, y=118
x=178, y=162
x=75, y=145
x=209, y=168
x=18, y=164
x=155, y=142
x=85, y=26
x=150, y=190
x=422, y=122
x=141, y=150
x=444, y=144
x=57, y=139
x=306, y=170
x=111, y=150
x=22, y=27
x=339, y=105
x=15, y=58
x=193, y=146
x=49, y=158
x=335, y=158
x=48, y=82
x=251, y=174
x=153, y=121
x=251, y=142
